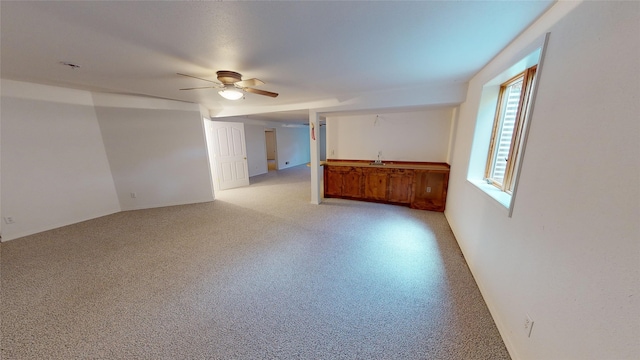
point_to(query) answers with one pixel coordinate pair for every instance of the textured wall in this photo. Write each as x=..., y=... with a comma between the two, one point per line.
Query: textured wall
x=569, y=255
x=159, y=153
x=54, y=166
x=401, y=136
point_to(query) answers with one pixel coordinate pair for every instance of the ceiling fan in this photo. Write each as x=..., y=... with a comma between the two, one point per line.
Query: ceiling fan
x=232, y=85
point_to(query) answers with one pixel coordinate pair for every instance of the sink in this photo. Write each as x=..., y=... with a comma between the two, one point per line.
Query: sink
x=376, y=163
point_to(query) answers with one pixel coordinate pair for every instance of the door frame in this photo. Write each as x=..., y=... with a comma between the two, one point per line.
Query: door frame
x=275, y=144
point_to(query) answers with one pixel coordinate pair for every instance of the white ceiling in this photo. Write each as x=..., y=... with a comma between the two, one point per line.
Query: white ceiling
x=319, y=55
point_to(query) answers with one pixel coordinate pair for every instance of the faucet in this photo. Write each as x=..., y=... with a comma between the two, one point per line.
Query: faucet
x=379, y=161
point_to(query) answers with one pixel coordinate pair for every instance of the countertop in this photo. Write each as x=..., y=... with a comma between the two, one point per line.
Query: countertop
x=389, y=165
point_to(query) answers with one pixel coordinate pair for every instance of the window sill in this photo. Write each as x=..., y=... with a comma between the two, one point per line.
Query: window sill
x=496, y=194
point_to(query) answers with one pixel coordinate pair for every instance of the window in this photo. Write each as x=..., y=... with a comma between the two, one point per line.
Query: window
x=510, y=121
x=505, y=105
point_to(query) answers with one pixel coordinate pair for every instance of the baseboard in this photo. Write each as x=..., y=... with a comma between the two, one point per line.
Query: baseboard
x=177, y=203
x=18, y=235
x=502, y=328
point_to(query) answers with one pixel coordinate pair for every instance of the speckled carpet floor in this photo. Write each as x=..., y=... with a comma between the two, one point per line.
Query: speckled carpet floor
x=260, y=273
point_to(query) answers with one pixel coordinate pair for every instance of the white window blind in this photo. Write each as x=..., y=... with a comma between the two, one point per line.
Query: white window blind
x=507, y=126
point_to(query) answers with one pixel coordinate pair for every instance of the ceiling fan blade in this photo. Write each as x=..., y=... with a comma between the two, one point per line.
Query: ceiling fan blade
x=249, y=82
x=260, y=92
x=203, y=87
x=195, y=77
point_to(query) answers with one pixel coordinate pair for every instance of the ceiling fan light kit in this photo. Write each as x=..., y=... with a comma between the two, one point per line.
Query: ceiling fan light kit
x=230, y=93
x=233, y=87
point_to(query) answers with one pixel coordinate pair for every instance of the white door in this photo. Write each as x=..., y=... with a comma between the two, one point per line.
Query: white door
x=230, y=155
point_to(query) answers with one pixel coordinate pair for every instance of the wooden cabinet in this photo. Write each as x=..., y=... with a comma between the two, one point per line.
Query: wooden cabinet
x=352, y=183
x=332, y=181
x=430, y=190
x=375, y=184
x=418, y=185
x=342, y=181
x=400, y=186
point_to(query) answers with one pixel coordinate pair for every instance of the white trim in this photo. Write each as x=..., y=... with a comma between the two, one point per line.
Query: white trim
x=501, y=197
x=525, y=134
x=534, y=56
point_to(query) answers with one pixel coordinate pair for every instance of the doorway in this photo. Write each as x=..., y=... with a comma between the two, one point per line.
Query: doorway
x=272, y=149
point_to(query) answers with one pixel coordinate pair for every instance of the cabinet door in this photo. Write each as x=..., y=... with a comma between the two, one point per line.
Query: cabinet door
x=400, y=186
x=352, y=182
x=375, y=184
x=332, y=182
x=430, y=190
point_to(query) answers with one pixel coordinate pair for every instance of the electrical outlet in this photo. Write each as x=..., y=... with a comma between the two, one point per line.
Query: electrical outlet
x=428, y=189
x=133, y=195
x=528, y=325
x=9, y=220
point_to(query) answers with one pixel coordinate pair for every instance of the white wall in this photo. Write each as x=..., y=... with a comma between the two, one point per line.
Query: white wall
x=323, y=142
x=156, y=149
x=401, y=136
x=293, y=146
x=570, y=255
x=256, y=149
x=55, y=170
x=292, y=143
x=209, y=138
